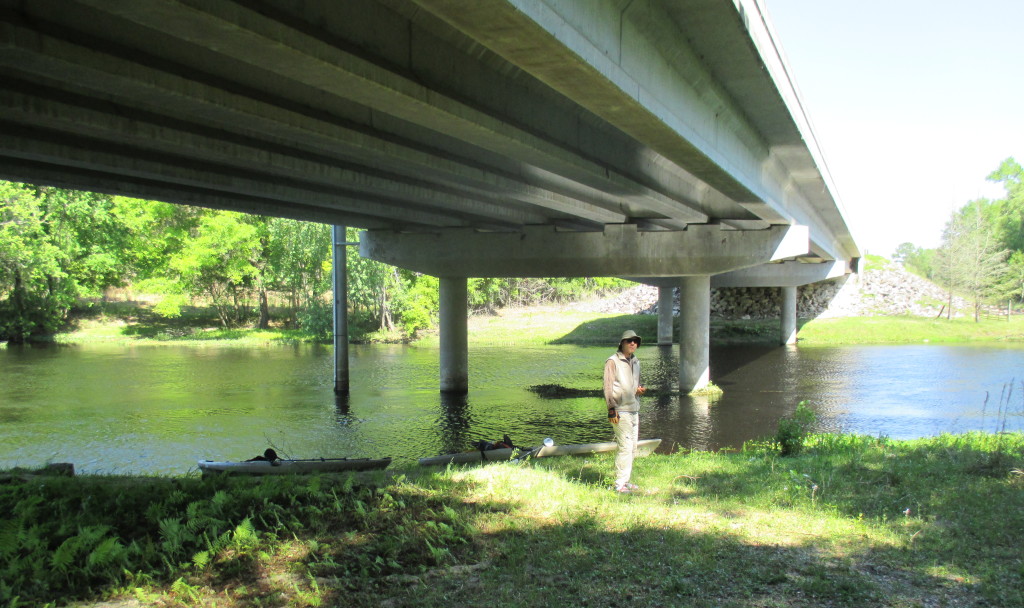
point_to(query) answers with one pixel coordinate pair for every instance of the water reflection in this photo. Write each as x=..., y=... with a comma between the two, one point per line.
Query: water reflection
x=159, y=409
x=342, y=404
x=455, y=422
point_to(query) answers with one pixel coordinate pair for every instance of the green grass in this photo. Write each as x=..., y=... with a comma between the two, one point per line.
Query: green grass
x=908, y=330
x=535, y=326
x=130, y=323
x=851, y=521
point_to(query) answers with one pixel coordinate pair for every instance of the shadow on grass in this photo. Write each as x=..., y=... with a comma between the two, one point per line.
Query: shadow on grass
x=141, y=321
x=607, y=331
x=195, y=324
x=439, y=540
x=606, y=556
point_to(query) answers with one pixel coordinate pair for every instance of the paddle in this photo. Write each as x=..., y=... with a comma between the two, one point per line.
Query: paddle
x=548, y=442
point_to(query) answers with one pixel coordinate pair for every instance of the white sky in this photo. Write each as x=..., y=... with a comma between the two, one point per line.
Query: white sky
x=914, y=103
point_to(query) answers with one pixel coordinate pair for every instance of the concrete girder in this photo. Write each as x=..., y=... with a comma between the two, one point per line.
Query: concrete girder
x=91, y=155
x=785, y=274
x=532, y=112
x=620, y=250
x=266, y=161
x=117, y=183
x=254, y=39
x=788, y=273
x=626, y=63
x=217, y=109
x=113, y=124
x=568, y=61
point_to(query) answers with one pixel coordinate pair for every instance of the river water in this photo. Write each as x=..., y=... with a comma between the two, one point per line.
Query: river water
x=158, y=409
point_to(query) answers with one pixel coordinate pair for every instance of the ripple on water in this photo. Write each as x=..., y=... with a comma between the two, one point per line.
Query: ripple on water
x=158, y=410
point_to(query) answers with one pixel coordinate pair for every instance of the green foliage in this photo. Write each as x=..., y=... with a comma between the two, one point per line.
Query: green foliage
x=971, y=260
x=850, y=521
x=58, y=246
x=874, y=262
x=317, y=319
x=220, y=262
x=68, y=538
x=907, y=330
x=1009, y=212
x=492, y=293
x=793, y=430
x=1013, y=282
x=915, y=259
x=55, y=246
x=298, y=256
x=416, y=307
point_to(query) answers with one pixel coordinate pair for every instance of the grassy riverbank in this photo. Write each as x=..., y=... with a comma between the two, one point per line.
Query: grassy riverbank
x=125, y=324
x=851, y=521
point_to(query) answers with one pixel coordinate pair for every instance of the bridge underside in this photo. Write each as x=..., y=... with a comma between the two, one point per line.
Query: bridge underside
x=653, y=140
x=619, y=250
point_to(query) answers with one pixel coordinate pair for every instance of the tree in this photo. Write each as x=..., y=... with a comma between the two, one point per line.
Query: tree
x=971, y=259
x=915, y=259
x=220, y=262
x=298, y=264
x=372, y=289
x=904, y=251
x=1009, y=223
x=56, y=245
x=31, y=302
x=1013, y=280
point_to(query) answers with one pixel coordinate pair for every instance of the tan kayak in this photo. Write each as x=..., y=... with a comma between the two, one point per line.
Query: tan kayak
x=293, y=467
x=643, y=448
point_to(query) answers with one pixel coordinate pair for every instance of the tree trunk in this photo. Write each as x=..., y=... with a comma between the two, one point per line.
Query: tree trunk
x=17, y=333
x=264, y=322
x=386, y=322
x=293, y=298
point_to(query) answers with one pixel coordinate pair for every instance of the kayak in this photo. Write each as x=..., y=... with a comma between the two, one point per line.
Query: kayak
x=643, y=448
x=294, y=467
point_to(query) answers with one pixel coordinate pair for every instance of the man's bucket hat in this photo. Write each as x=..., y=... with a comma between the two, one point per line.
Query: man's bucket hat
x=629, y=334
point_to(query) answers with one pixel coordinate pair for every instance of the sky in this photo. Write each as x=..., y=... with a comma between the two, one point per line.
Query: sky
x=913, y=103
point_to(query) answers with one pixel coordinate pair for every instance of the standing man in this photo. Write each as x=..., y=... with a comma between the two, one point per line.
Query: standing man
x=621, y=389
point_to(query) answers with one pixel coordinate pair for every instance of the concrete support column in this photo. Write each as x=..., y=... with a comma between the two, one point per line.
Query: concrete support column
x=787, y=315
x=340, y=276
x=454, y=335
x=694, y=333
x=665, y=315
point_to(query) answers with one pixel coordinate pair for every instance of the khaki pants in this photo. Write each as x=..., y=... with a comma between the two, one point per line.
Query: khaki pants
x=627, y=434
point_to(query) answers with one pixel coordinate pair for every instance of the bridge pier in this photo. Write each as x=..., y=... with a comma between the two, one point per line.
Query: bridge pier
x=454, y=329
x=665, y=315
x=694, y=333
x=340, y=276
x=787, y=315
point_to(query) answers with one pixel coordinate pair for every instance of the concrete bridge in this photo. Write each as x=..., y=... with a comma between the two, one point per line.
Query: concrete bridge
x=658, y=140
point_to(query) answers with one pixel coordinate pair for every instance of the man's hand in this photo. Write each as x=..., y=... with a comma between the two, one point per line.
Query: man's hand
x=640, y=390
x=613, y=416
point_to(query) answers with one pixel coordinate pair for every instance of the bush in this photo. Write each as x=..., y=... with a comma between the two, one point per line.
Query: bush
x=317, y=318
x=793, y=430
x=415, y=306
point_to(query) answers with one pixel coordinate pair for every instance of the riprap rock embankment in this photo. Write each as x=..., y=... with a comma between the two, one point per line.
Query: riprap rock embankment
x=887, y=291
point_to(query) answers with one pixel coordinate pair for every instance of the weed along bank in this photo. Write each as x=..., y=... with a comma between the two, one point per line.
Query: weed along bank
x=845, y=520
